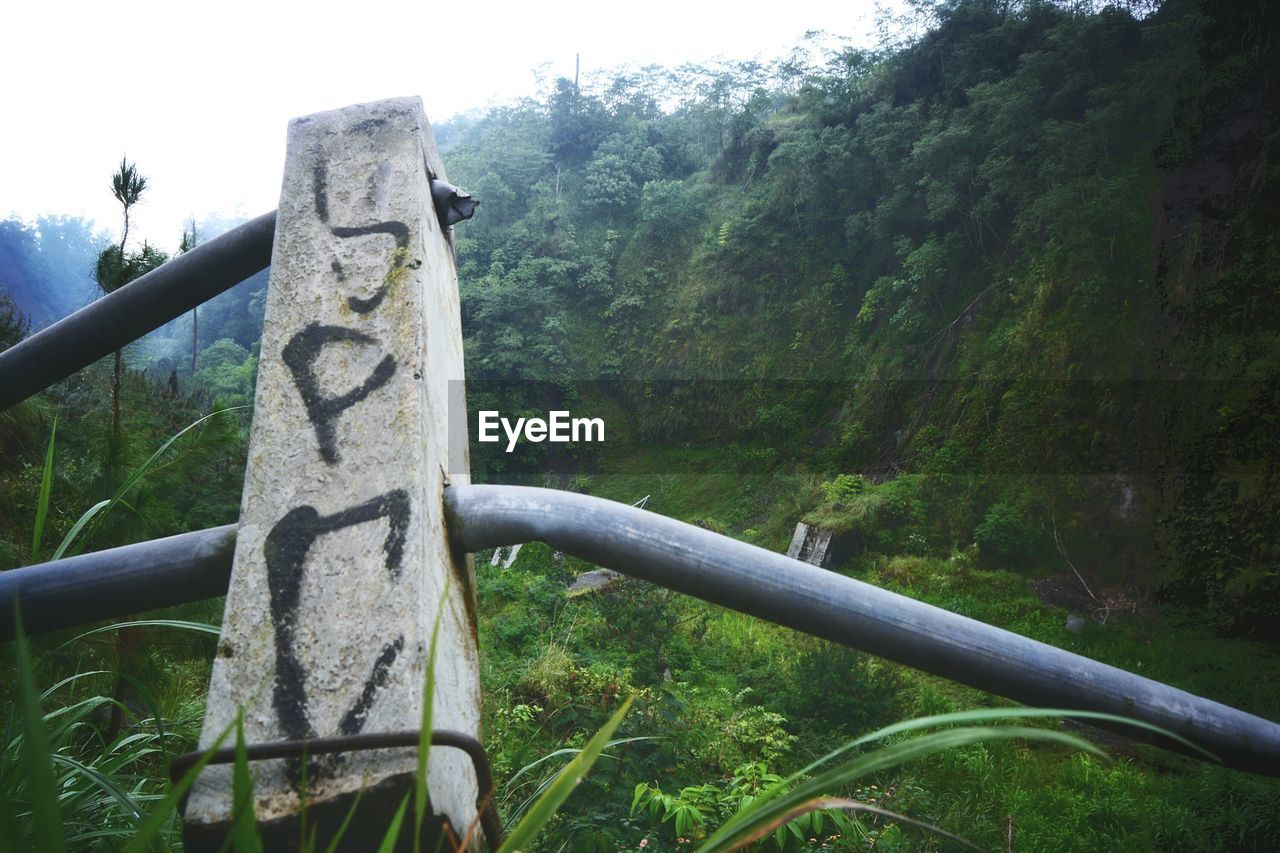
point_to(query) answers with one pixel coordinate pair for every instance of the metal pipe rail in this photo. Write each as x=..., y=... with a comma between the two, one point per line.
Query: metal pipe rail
x=118, y=581
x=714, y=568
x=142, y=306
x=166, y=293
x=825, y=604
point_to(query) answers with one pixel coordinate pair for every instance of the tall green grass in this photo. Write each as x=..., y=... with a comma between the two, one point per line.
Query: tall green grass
x=62, y=783
x=80, y=533
x=108, y=793
x=91, y=519
x=42, y=500
x=64, y=789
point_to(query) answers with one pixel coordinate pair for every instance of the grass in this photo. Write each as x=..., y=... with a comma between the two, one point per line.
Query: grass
x=1057, y=800
x=1170, y=646
x=57, y=768
x=46, y=489
x=46, y=787
x=92, y=519
x=724, y=664
x=1146, y=798
x=805, y=792
x=961, y=749
x=560, y=670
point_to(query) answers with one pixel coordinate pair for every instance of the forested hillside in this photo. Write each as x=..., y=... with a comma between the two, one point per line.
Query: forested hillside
x=997, y=305
x=1028, y=257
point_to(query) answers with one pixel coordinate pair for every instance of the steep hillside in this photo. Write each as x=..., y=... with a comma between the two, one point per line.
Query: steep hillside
x=1027, y=257
x=996, y=306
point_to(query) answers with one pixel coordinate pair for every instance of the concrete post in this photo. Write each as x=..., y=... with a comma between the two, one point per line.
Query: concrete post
x=342, y=558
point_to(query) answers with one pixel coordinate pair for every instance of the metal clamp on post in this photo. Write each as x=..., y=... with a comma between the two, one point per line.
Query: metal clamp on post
x=452, y=204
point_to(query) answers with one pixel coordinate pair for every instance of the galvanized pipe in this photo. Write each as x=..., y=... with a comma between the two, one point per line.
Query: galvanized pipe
x=697, y=562
x=142, y=306
x=825, y=604
x=118, y=581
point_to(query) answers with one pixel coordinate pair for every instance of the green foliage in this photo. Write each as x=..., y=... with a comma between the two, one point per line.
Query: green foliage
x=646, y=621
x=34, y=755
x=735, y=731
x=64, y=784
x=607, y=185
x=425, y=728
x=669, y=208
x=46, y=487
x=979, y=244
x=92, y=518
x=845, y=488
x=192, y=484
x=756, y=804
x=697, y=809
x=540, y=814
x=837, y=689
x=708, y=731
x=1005, y=534
x=117, y=268
x=127, y=184
x=883, y=517
x=14, y=325
x=244, y=835
x=779, y=801
x=228, y=372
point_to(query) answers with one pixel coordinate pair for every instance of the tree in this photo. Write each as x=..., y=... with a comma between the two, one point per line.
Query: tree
x=127, y=186
x=668, y=209
x=13, y=324
x=578, y=123
x=116, y=267
x=607, y=186
x=227, y=372
x=189, y=242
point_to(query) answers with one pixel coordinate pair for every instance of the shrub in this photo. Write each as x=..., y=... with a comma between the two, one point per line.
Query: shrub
x=1005, y=533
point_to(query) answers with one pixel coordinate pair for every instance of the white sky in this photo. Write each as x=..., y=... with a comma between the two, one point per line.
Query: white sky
x=200, y=101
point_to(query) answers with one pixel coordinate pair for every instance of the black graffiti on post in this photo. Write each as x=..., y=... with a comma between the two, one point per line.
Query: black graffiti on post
x=353, y=721
x=393, y=227
x=285, y=550
x=300, y=355
x=291, y=538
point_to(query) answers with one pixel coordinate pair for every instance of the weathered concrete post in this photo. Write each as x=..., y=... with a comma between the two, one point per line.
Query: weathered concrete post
x=342, y=559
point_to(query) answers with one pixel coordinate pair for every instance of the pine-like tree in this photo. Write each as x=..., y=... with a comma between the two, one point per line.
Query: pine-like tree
x=116, y=267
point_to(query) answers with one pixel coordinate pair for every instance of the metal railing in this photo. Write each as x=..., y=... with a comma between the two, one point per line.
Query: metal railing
x=142, y=306
x=636, y=542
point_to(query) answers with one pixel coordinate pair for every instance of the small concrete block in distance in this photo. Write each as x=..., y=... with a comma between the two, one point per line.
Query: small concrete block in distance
x=593, y=581
x=810, y=544
x=342, y=560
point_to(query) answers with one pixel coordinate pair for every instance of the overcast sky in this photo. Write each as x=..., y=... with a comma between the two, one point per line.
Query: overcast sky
x=200, y=101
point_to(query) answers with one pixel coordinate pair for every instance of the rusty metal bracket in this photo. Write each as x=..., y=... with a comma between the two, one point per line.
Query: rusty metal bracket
x=485, y=806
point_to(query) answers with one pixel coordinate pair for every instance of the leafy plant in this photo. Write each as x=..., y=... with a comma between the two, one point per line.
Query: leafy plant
x=756, y=804
x=61, y=785
x=540, y=784
x=540, y=814
x=1005, y=533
